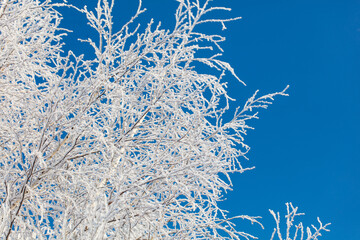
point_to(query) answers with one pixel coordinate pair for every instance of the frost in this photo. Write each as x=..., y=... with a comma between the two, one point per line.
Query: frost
x=128, y=145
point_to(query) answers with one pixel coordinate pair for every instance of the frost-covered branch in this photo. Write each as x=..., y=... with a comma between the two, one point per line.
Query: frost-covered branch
x=298, y=232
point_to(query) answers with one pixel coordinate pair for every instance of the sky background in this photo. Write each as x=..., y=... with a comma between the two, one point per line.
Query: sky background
x=305, y=147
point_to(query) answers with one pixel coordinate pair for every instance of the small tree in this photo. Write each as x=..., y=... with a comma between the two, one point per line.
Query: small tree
x=128, y=145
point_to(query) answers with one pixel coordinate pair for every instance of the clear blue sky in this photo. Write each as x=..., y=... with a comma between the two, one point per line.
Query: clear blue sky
x=306, y=147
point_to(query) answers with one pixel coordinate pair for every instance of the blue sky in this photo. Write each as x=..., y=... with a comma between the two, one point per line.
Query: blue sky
x=306, y=147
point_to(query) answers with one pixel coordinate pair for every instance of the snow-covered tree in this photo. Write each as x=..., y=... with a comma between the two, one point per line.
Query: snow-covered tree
x=129, y=144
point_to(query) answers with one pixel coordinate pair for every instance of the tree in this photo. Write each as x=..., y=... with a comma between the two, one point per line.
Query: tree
x=130, y=144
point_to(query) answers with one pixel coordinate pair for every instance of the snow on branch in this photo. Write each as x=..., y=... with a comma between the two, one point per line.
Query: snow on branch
x=298, y=232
